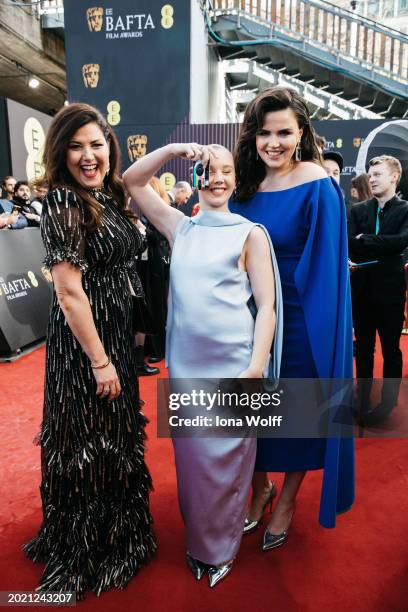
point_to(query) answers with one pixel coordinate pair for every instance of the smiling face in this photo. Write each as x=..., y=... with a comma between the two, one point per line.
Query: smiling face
x=222, y=182
x=276, y=141
x=88, y=156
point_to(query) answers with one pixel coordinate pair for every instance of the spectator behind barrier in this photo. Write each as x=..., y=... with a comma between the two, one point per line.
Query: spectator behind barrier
x=27, y=217
x=40, y=189
x=8, y=216
x=7, y=188
x=7, y=219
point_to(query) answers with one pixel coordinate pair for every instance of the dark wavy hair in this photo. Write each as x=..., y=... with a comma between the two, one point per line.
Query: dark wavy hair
x=63, y=127
x=250, y=171
x=362, y=184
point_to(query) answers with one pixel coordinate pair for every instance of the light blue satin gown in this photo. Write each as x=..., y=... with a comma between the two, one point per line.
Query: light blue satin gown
x=210, y=335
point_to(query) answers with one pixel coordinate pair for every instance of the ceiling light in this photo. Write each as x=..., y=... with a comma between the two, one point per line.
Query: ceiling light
x=33, y=82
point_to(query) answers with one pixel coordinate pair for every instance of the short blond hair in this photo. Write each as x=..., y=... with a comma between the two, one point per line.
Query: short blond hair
x=392, y=162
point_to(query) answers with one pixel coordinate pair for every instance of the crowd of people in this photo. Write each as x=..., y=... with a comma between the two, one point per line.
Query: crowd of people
x=21, y=203
x=271, y=225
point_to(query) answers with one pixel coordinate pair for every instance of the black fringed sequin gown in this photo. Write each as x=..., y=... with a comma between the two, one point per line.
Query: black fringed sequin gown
x=96, y=530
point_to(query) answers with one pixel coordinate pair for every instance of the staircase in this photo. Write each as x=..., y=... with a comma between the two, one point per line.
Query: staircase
x=316, y=42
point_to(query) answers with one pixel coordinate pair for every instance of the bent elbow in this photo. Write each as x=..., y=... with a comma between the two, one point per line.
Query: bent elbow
x=129, y=179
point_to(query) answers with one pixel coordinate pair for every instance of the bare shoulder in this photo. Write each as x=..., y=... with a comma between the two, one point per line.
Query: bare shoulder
x=257, y=237
x=310, y=171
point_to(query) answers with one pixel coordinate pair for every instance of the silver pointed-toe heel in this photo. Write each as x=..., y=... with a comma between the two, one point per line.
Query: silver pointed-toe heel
x=250, y=526
x=197, y=567
x=272, y=540
x=218, y=572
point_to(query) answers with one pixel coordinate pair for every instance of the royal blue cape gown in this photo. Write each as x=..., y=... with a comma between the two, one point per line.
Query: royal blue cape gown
x=307, y=226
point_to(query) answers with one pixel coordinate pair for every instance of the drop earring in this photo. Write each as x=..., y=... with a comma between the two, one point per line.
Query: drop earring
x=257, y=156
x=298, y=152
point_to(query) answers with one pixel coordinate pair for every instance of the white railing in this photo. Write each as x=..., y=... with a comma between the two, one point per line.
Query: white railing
x=328, y=25
x=50, y=7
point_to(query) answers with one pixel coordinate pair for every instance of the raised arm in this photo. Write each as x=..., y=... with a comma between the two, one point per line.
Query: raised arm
x=136, y=180
x=137, y=177
x=258, y=264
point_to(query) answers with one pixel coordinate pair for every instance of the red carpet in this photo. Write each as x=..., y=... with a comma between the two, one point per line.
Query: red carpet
x=361, y=565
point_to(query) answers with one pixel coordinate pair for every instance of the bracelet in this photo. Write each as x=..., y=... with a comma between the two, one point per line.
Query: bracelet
x=100, y=367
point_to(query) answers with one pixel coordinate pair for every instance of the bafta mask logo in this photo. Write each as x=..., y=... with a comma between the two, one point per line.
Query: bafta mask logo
x=90, y=72
x=94, y=17
x=137, y=146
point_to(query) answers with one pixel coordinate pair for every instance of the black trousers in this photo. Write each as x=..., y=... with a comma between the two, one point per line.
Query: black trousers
x=368, y=318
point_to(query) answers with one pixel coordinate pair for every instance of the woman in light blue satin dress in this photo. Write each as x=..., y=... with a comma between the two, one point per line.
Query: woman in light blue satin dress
x=219, y=260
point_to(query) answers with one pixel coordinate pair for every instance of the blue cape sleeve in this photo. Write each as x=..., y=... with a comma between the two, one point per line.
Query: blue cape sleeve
x=322, y=280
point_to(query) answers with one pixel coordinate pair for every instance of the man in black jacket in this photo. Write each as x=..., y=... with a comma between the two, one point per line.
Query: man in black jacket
x=378, y=234
x=21, y=202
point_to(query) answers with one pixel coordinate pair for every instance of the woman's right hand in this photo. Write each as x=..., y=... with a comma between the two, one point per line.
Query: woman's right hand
x=108, y=385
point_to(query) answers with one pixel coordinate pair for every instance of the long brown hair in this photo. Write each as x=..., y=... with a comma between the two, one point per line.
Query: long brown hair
x=63, y=127
x=250, y=171
x=362, y=184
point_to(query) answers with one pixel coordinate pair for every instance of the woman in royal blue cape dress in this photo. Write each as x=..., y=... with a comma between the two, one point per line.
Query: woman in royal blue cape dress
x=281, y=184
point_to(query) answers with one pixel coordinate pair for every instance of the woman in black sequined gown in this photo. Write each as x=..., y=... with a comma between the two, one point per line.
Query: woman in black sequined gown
x=96, y=530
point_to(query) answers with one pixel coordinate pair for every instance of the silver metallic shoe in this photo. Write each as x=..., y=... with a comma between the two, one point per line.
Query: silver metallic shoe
x=197, y=567
x=218, y=572
x=272, y=540
x=250, y=526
